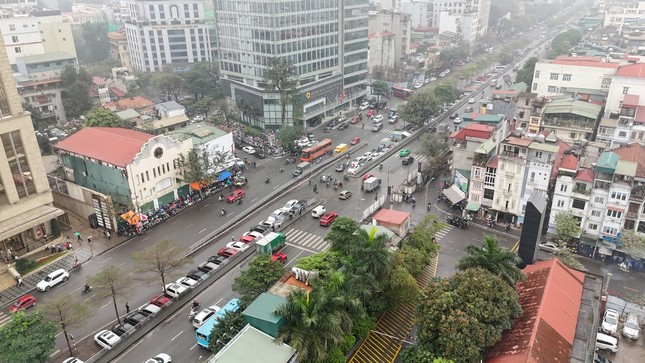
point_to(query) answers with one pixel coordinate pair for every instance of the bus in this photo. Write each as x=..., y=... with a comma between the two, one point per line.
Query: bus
x=203, y=334
x=316, y=151
x=403, y=93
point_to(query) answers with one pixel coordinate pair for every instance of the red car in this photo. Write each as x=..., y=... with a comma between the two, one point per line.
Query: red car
x=355, y=141
x=371, y=113
x=160, y=300
x=23, y=303
x=227, y=252
x=365, y=177
x=328, y=218
x=233, y=197
x=247, y=239
x=280, y=257
x=355, y=119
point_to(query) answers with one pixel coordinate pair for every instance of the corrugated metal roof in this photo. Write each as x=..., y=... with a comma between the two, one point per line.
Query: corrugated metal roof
x=544, y=147
x=486, y=147
x=46, y=57
x=625, y=167
x=391, y=216
x=633, y=152
x=585, y=109
x=264, y=306
x=252, y=345
x=607, y=162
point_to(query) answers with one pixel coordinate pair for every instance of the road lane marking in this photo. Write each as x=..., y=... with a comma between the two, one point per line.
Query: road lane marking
x=89, y=298
x=108, y=303
x=177, y=221
x=175, y=337
x=193, y=347
x=122, y=263
x=190, y=225
x=106, y=260
x=128, y=351
x=254, y=200
x=204, y=207
x=629, y=288
x=56, y=352
x=202, y=231
x=145, y=239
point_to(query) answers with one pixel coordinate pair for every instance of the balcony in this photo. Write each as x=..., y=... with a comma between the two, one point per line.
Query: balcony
x=577, y=212
x=582, y=192
x=513, y=155
x=631, y=215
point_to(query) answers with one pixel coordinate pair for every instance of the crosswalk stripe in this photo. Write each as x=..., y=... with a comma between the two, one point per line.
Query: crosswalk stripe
x=305, y=239
x=4, y=318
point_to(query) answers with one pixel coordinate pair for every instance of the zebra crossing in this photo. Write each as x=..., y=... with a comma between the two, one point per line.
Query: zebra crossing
x=368, y=126
x=306, y=240
x=4, y=318
x=443, y=232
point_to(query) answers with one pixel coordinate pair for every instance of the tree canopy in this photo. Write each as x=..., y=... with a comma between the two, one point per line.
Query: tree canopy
x=27, y=338
x=567, y=227
x=494, y=259
x=67, y=312
x=100, y=117
x=444, y=93
x=281, y=76
x=288, y=136
x=459, y=317
x=526, y=73
x=161, y=259
x=420, y=107
x=261, y=274
x=112, y=282
x=91, y=41
x=226, y=329
x=200, y=81
x=75, y=96
x=169, y=84
x=563, y=42
x=196, y=166
x=380, y=87
x=633, y=244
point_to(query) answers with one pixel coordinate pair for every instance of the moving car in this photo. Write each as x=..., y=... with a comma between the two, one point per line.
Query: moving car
x=407, y=160
x=469, y=109
x=457, y=120
x=318, y=211
x=454, y=115
x=174, y=289
x=364, y=106
x=340, y=167
x=549, y=247
x=471, y=100
x=328, y=218
x=610, y=322
x=377, y=119
x=53, y=279
x=235, y=195
x=106, y=339
x=249, y=149
x=23, y=303
x=394, y=119
x=344, y=194
x=203, y=315
x=280, y=257
x=160, y=358
x=355, y=141
x=405, y=152
x=227, y=252
x=287, y=207
x=377, y=127
x=371, y=113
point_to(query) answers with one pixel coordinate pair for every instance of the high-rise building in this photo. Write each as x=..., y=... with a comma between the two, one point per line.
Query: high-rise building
x=465, y=13
x=325, y=40
x=26, y=207
x=167, y=34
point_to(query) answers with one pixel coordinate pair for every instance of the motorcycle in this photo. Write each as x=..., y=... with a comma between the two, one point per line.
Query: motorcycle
x=191, y=315
x=86, y=290
x=267, y=181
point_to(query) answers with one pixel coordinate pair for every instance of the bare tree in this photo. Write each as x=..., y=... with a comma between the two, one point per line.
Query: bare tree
x=161, y=259
x=281, y=76
x=111, y=282
x=67, y=312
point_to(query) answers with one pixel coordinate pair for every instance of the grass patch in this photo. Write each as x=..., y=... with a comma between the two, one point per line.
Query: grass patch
x=40, y=262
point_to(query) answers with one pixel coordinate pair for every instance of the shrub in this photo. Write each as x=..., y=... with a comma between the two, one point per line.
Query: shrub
x=24, y=265
x=55, y=228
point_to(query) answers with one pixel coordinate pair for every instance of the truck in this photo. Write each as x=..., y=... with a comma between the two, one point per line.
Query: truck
x=371, y=184
x=301, y=168
x=270, y=243
x=385, y=143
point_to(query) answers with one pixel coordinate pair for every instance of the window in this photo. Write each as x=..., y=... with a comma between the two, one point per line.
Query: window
x=538, y=154
x=566, y=77
x=537, y=74
x=625, y=90
x=560, y=203
x=553, y=76
x=17, y=50
x=12, y=27
x=535, y=86
x=578, y=204
x=610, y=231
x=489, y=194
x=599, y=200
x=606, y=82
x=14, y=38
x=618, y=195
x=532, y=180
x=552, y=89
x=563, y=188
x=596, y=213
x=614, y=214
x=622, y=134
x=592, y=226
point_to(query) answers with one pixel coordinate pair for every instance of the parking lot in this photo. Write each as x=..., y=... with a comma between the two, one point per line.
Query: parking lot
x=628, y=351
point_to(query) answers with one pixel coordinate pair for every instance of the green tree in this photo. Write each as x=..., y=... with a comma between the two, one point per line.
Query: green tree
x=494, y=259
x=95, y=41
x=75, y=96
x=288, y=136
x=262, y=273
x=526, y=73
x=402, y=287
x=281, y=76
x=44, y=144
x=168, y=83
x=433, y=145
x=324, y=262
x=567, y=227
x=226, y=329
x=341, y=235
x=454, y=54
x=563, y=42
x=461, y=316
x=444, y=93
x=111, y=282
x=412, y=258
x=27, y=339
x=420, y=107
x=419, y=353
x=569, y=259
x=204, y=105
x=423, y=233
x=39, y=122
x=199, y=82
x=67, y=312
x=227, y=111
x=633, y=244
x=380, y=88
x=195, y=166
x=99, y=117
x=161, y=259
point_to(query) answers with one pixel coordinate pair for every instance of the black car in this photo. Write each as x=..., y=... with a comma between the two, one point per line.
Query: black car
x=343, y=125
x=340, y=167
x=454, y=116
x=135, y=318
x=218, y=260
x=197, y=275
x=380, y=105
x=121, y=329
x=260, y=228
x=407, y=160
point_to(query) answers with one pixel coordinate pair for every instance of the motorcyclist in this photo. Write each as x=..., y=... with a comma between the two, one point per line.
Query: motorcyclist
x=86, y=288
x=222, y=212
x=380, y=166
x=268, y=180
x=281, y=169
x=221, y=197
x=195, y=304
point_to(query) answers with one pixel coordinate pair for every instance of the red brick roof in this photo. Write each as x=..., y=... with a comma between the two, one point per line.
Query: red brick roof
x=569, y=162
x=391, y=216
x=630, y=100
x=112, y=145
x=479, y=131
x=550, y=299
x=633, y=152
x=492, y=163
x=585, y=175
x=636, y=70
x=136, y=103
x=584, y=62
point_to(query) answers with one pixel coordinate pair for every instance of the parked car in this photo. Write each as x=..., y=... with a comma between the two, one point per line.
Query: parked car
x=344, y=194
x=610, y=322
x=73, y=360
x=248, y=238
x=134, y=318
x=174, y=289
x=318, y=211
x=23, y=303
x=249, y=149
x=227, y=252
x=355, y=141
x=287, y=207
x=240, y=246
x=160, y=300
x=235, y=195
x=549, y=247
x=217, y=260
x=207, y=267
x=343, y=125
x=377, y=119
x=631, y=327
x=123, y=328
x=298, y=208
x=160, y=358
x=203, y=315
x=52, y=279
x=149, y=309
x=260, y=228
x=606, y=343
x=106, y=339
x=328, y=218
x=280, y=257
x=197, y=275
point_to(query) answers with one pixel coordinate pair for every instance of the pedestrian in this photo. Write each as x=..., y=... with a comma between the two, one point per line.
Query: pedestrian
x=309, y=181
x=108, y=234
x=232, y=238
x=127, y=307
x=20, y=283
x=79, y=239
x=89, y=240
x=17, y=281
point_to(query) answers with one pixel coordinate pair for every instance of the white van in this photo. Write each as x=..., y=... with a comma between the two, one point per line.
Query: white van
x=606, y=342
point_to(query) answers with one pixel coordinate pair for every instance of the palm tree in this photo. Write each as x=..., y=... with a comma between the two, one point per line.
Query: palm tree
x=493, y=258
x=371, y=252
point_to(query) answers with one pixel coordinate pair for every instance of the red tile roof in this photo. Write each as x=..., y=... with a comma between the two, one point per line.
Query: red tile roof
x=98, y=81
x=636, y=70
x=584, y=62
x=550, y=299
x=136, y=103
x=518, y=141
x=112, y=145
x=586, y=175
x=117, y=92
x=630, y=100
x=633, y=152
x=476, y=130
x=391, y=216
x=569, y=162
x=492, y=163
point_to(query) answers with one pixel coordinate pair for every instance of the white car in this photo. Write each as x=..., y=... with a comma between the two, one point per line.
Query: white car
x=364, y=106
x=160, y=358
x=377, y=119
x=287, y=207
x=610, y=322
x=174, y=290
x=318, y=211
x=53, y=279
x=471, y=100
x=106, y=339
x=203, y=315
x=249, y=149
x=457, y=120
x=240, y=246
x=304, y=142
x=549, y=247
x=73, y=360
x=186, y=281
x=353, y=169
x=432, y=79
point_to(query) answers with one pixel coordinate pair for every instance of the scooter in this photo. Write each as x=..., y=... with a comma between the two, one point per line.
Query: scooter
x=267, y=181
x=191, y=315
x=86, y=290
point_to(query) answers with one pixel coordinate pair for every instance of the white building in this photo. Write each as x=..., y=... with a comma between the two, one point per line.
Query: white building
x=457, y=8
x=418, y=13
x=629, y=79
x=469, y=27
x=621, y=14
x=205, y=137
x=382, y=53
x=396, y=23
x=162, y=33
x=588, y=76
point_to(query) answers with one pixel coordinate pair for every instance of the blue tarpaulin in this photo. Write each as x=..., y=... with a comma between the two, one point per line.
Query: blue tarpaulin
x=224, y=175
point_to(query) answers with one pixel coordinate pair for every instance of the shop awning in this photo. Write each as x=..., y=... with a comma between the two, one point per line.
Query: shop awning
x=224, y=175
x=472, y=206
x=604, y=251
x=23, y=222
x=454, y=194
